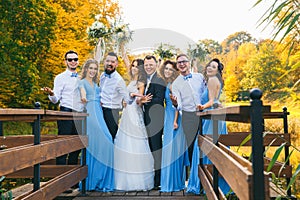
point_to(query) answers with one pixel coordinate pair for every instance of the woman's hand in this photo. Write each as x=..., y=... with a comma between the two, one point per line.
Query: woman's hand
x=175, y=125
x=133, y=94
x=200, y=107
x=174, y=100
x=83, y=100
x=145, y=99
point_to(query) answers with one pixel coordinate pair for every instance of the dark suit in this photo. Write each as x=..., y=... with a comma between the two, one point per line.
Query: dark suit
x=154, y=121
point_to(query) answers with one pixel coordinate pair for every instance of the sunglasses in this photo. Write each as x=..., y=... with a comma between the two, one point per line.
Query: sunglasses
x=71, y=59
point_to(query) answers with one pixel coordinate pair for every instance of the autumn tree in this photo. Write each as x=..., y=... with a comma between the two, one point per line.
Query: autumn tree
x=264, y=69
x=73, y=19
x=232, y=42
x=26, y=30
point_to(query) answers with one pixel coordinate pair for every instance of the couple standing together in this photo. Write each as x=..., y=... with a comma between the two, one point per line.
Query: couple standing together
x=141, y=126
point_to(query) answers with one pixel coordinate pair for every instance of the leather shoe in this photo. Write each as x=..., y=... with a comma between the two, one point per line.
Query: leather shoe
x=156, y=188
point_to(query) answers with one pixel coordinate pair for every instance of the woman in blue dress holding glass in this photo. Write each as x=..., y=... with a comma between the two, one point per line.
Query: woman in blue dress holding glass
x=99, y=155
x=209, y=100
x=174, y=154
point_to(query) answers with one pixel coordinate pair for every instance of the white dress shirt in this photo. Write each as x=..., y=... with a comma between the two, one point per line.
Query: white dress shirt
x=113, y=91
x=66, y=91
x=188, y=92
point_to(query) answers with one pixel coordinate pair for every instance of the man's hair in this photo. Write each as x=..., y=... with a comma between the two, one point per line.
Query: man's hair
x=149, y=57
x=113, y=54
x=70, y=52
x=182, y=54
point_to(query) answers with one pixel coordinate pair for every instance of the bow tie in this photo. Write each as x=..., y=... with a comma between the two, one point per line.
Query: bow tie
x=74, y=74
x=187, y=77
x=107, y=75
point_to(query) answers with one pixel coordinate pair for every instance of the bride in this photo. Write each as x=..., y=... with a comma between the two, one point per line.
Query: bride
x=133, y=161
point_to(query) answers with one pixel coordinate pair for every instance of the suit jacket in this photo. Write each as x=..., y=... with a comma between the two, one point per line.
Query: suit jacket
x=154, y=110
x=157, y=88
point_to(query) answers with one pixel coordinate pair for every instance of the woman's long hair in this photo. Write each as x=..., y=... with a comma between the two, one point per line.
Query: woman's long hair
x=85, y=67
x=142, y=76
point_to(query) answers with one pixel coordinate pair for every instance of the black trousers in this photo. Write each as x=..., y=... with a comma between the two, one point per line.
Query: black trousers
x=154, y=121
x=68, y=127
x=190, y=124
x=111, y=118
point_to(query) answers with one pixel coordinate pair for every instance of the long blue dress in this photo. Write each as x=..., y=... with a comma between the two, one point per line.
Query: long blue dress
x=174, y=154
x=194, y=182
x=100, y=151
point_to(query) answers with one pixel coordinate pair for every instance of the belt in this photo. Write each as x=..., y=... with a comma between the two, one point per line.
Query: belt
x=62, y=108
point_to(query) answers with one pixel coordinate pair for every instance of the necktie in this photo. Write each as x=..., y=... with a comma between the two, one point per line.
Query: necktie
x=74, y=74
x=187, y=77
x=107, y=75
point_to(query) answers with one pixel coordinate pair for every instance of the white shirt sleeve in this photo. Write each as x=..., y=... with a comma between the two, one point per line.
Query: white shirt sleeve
x=57, y=90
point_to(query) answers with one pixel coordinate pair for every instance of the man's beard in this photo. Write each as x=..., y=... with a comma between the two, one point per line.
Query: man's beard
x=109, y=71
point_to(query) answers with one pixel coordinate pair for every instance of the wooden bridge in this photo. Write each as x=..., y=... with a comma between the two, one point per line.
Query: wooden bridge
x=28, y=156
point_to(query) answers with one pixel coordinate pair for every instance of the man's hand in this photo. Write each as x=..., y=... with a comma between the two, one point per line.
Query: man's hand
x=48, y=90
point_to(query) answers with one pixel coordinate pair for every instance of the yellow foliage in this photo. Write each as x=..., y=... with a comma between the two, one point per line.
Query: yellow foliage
x=73, y=19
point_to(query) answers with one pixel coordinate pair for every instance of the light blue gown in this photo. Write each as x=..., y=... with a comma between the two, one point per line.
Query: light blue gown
x=194, y=182
x=99, y=155
x=174, y=154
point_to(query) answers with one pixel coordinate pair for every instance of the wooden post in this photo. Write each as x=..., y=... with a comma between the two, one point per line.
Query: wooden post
x=83, y=152
x=215, y=170
x=1, y=128
x=257, y=127
x=286, y=148
x=37, y=140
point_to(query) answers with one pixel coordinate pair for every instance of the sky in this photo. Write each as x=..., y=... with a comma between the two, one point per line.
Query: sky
x=197, y=19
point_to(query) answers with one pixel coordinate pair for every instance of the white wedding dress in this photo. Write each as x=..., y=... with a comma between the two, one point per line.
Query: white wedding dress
x=133, y=160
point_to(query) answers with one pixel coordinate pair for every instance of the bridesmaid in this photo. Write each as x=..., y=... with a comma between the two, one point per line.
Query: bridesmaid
x=99, y=155
x=174, y=154
x=209, y=100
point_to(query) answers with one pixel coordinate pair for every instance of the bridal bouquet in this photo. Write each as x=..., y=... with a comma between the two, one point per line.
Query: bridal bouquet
x=115, y=32
x=113, y=36
x=98, y=30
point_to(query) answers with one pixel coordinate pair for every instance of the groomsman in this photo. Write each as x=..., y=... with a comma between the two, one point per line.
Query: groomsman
x=113, y=91
x=66, y=92
x=186, y=93
x=154, y=113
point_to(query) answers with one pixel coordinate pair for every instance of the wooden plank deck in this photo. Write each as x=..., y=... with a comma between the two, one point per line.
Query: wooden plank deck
x=152, y=194
x=76, y=195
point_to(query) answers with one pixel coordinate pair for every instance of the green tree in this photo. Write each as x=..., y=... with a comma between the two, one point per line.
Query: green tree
x=26, y=30
x=235, y=40
x=264, y=69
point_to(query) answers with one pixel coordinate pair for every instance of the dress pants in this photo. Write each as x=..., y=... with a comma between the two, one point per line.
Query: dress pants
x=68, y=127
x=190, y=125
x=154, y=121
x=111, y=118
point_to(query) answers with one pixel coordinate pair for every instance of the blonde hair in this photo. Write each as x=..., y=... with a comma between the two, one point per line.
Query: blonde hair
x=85, y=67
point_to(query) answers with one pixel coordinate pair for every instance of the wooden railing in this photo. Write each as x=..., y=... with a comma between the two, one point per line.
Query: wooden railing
x=24, y=154
x=248, y=180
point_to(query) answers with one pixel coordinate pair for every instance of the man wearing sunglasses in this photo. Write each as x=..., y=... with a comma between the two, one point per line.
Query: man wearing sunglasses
x=66, y=92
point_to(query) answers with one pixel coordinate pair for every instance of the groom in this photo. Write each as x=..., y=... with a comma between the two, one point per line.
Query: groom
x=154, y=113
